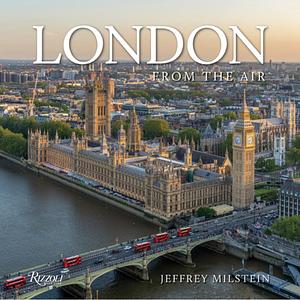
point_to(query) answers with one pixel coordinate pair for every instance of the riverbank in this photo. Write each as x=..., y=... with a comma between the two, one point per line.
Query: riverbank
x=114, y=200
x=227, y=247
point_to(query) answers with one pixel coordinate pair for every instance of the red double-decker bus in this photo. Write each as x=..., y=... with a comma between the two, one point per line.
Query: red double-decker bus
x=184, y=231
x=15, y=283
x=72, y=261
x=142, y=246
x=161, y=237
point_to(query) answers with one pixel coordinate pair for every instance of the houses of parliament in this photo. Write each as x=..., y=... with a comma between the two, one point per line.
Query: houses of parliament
x=170, y=181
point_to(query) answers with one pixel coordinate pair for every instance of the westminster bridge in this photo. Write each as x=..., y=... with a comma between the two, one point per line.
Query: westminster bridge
x=122, y=257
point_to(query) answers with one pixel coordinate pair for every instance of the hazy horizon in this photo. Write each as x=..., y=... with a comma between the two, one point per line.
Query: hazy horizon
x=18, y=40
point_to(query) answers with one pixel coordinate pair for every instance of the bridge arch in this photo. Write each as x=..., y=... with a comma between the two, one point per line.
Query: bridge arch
x=164, y=254
x=46, y=289
x=96, y=275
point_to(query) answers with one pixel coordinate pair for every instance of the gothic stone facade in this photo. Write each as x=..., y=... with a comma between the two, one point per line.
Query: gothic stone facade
x=157, y=182
x=98, y=108
x=243, y=160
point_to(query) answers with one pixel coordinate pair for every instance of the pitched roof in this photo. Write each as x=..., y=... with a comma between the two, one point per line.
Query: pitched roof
x=205, y=157
x=208, y=132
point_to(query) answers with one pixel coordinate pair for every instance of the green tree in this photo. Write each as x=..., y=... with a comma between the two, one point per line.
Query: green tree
x=267, y=165
x=138, y=94
x=270, y=165
x=64, y=130
x=215, y=122
x=293, y=156
x=225, y=102
x=270, y=194
x=2, y=90
x=18, y=125
x=116, y=125
x=255, y=116
x=190, y=133
x=296, y=142
x=230, y=115
x=155, y=128
x=260, y=163
x=227, y=144
x=12, y=143
x=268, y=231
x=206, y=212
x=288, y=227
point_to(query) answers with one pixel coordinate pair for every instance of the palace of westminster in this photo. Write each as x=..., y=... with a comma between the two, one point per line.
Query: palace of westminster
x=169, y=180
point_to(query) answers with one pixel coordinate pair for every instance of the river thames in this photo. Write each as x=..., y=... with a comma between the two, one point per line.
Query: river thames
x=41, y=220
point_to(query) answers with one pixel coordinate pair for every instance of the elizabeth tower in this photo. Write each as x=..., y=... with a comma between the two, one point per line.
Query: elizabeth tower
x=243, y=160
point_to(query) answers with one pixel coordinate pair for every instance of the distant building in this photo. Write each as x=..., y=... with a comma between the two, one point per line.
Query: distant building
x=211, y=140
x=286, y=110
x=282, y=123
x=69, y=74
x=279, y=150
x=207, y=161
x=289, y=199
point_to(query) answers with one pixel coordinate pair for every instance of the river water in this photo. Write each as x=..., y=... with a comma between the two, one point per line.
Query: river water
x=41, y=220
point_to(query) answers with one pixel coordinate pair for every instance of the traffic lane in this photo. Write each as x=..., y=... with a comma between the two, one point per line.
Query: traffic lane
x=236, y=222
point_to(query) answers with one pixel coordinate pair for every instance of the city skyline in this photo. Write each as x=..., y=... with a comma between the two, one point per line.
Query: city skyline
x=18, y=41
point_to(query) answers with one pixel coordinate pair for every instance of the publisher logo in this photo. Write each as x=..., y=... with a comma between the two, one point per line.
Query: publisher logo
x=43, y=280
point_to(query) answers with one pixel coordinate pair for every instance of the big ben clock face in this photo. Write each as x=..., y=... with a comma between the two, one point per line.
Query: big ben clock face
x=238, y=140
x=250, y=140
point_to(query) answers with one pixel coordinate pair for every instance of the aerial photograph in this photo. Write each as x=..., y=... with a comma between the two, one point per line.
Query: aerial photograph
x=150, y=149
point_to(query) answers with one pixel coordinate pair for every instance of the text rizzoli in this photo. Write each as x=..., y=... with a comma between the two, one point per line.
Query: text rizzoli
x=192, y=42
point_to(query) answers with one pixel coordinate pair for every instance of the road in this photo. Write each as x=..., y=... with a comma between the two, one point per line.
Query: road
x=106, y=257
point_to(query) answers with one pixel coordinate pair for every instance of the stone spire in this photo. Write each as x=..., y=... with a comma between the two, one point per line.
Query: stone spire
x=188, y=157
x=122, y=137
x=185, y=142
x=226, y=154
x=134, y=133
x=193, y=145
x=104, y=145
x=160, y=145
x=245, y=115
x=56, y=140
x=179, y=142
x=173, y=140
x=73, y=138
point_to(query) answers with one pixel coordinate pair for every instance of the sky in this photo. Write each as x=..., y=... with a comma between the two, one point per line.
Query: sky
x=18, y=38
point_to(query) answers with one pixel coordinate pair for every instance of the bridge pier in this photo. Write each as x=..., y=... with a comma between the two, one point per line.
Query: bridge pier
x=88, y=288
x=79, y=292
x=75, y=291
x=215, y=246
x=182, y=258
x=137, y=272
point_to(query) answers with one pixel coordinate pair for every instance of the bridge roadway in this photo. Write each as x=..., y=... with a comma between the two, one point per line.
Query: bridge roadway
x=98, y=262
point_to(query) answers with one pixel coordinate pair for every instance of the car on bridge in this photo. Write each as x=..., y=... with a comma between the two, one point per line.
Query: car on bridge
x=127, y=247
x=99, y=261
x=64, y=271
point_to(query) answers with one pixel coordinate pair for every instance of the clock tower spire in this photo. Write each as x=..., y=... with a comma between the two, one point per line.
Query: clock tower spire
x=243, y=160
